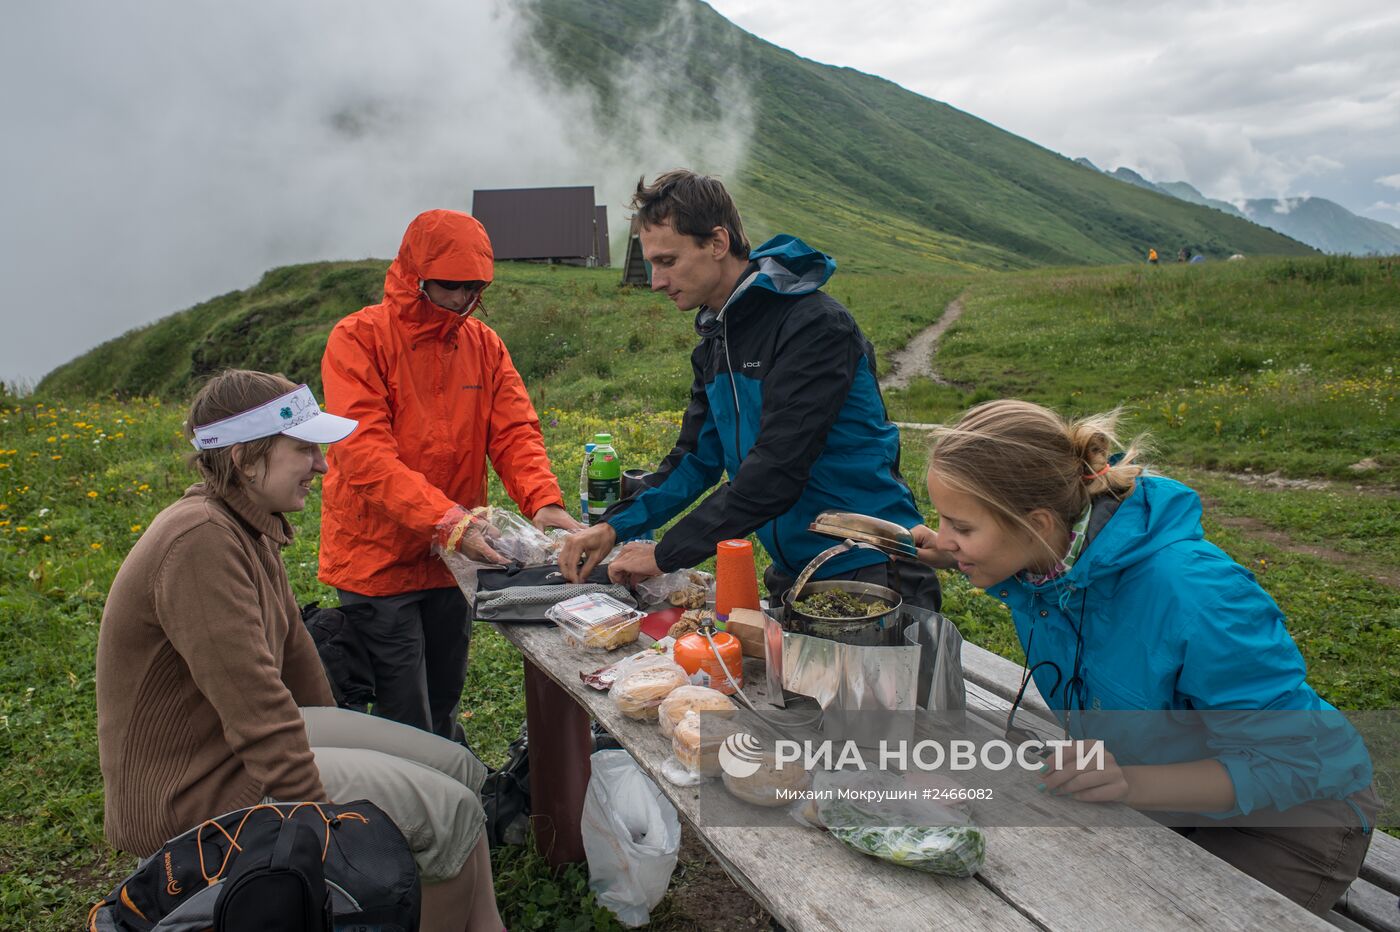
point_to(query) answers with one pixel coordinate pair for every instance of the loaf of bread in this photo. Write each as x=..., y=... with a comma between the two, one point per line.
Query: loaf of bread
x=692, y=699
x=639, y=693
x=696, y=740
x=762, y=786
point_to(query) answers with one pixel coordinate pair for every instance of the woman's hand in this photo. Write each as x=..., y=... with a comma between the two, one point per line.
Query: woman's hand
x=926, y=542
x=1087, y=772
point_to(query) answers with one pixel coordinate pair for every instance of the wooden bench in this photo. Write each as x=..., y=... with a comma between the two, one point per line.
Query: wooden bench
x=1372, y=903
x=1044, y=878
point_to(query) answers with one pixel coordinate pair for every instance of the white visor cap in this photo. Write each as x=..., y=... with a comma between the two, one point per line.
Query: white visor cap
x=295, y=414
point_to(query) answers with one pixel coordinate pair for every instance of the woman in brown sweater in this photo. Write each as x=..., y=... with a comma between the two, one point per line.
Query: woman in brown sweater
x=210, y=694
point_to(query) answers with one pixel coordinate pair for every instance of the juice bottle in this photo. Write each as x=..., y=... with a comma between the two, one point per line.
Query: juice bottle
x=604, y=478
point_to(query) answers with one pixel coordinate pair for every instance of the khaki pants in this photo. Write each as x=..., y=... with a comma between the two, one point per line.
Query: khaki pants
x=427, y=785
x=1311, y=865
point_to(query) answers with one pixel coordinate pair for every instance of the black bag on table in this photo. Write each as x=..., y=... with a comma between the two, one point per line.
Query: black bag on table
x=367, y=871
x=522, y=593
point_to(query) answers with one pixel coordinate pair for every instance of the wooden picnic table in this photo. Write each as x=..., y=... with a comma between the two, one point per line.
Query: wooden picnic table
x=1146, y=877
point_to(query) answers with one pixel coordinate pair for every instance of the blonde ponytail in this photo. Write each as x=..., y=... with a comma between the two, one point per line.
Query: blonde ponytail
x=1016, y=457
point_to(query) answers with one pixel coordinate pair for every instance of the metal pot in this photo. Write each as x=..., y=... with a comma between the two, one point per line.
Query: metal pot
x=883, y=629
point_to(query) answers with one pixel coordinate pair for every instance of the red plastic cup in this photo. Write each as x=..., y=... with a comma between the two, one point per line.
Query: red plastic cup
x=736, y=580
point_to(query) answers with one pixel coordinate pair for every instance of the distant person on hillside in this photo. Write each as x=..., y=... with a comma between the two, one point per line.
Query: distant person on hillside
x=210, y=694
x=436, y=395
x=1183, y=254
x=1141, y=634
x=784, y=399
x=1152, y=256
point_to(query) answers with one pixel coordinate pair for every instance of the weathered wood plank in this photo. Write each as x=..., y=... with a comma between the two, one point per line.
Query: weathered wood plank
x=1062, y=878
x=1382, y=866
x=998, y=675
x=1371, y=907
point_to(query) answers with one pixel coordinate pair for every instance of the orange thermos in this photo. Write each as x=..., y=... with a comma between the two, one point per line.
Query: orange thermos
x=694, y=654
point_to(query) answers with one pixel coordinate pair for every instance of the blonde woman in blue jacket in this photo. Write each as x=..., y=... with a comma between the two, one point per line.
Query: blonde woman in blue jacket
x=1121, y=604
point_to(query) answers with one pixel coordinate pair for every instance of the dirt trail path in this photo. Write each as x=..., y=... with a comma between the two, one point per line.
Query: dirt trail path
x=916, y=359
x=1253, y=527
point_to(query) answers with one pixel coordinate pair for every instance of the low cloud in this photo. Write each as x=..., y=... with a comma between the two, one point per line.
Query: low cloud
x=174, y=150
x=1390, y=181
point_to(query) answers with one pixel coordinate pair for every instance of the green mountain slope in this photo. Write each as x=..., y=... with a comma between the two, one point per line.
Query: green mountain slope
x=877, y=175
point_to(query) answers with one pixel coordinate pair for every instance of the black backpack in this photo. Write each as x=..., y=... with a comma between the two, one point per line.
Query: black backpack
x=277, y=883
x=222, y=866
x=342, y=653
x=505, y=797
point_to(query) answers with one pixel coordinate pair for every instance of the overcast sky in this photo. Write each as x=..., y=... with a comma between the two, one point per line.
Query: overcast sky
x=1243, y=98
x=162, y=152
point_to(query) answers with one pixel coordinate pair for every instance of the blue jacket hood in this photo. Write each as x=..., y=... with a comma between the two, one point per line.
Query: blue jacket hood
x=1160, y=512
x=784, y=265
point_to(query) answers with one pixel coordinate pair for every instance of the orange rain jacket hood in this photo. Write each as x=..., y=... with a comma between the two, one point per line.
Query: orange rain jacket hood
x=436, y=394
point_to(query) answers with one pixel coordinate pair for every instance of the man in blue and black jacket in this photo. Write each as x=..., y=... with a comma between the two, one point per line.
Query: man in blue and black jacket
x=784, y=400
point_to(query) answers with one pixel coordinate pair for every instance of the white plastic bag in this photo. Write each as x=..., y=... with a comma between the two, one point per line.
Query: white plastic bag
x=631, y=834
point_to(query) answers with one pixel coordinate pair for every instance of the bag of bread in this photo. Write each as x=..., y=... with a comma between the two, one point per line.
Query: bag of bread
x=696, y=740
x=692, y=699
x=639, y=692
x=761, y=786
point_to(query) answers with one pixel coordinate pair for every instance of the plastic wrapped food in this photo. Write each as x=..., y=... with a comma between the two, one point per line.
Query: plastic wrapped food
x=696, y=741
x=639, y=692
x=692, y=699
x=686, y=588
x=761, y=787
x=954, y=850
x=901, y=832
x=596, y=620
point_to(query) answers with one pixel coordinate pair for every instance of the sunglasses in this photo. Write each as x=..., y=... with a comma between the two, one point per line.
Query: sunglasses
x=476, y=287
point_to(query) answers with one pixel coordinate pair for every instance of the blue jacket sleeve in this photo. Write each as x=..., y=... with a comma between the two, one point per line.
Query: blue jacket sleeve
x=695, y=464
x=1279, y=741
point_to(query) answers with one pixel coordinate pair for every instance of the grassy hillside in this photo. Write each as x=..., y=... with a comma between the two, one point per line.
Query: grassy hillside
x=1284, y=365
x=878, y=176
x=579, y=339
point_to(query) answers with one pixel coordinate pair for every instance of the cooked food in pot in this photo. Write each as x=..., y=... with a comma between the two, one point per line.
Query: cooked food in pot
x=837, y=604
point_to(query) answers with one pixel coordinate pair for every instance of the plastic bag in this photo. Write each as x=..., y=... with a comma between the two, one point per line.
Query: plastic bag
x=507, y=533
x=686, y=588
x=898, y=831
x=631, y=835
x=639, y=692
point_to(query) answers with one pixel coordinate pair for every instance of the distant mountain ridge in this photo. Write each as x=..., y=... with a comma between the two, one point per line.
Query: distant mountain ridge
x=1322, y=224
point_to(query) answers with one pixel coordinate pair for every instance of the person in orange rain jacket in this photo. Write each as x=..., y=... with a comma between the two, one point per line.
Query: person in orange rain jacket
x=436, y=394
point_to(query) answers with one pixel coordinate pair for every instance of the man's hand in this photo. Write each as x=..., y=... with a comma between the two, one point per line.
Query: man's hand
x=636, y=562
x=926, y=541
x=582, y=551
x=555, y=516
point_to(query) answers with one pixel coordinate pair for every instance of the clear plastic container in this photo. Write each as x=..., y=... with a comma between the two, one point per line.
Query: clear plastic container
x=596, y=620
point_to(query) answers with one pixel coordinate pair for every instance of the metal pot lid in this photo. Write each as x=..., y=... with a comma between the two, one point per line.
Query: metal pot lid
x=891, y=538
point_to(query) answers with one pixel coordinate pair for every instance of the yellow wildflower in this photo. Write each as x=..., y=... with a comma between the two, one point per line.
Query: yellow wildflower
x=92, y=495
x=95, y=545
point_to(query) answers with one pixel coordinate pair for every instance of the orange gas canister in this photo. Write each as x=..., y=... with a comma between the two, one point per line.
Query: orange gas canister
x=694, y=654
